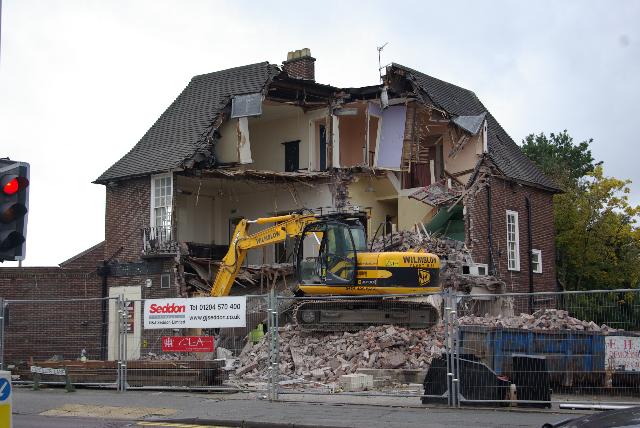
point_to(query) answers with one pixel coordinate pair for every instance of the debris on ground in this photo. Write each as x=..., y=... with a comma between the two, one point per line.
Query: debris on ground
x=324, y=357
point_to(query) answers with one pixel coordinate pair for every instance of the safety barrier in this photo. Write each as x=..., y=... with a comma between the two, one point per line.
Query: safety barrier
x=452, y=348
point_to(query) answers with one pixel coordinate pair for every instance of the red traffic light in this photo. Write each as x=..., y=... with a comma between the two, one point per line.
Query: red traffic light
x=11, y=187
x=12, y=184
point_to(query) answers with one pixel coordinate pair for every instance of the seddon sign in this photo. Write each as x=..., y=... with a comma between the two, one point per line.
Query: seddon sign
x=196, y=312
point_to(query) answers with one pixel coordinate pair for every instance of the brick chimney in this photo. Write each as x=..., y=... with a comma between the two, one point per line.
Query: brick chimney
x=300, y=65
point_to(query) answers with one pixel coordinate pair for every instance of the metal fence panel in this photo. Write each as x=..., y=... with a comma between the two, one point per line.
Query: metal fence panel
x=543, y=348
x=148, y=365
x=67, y=334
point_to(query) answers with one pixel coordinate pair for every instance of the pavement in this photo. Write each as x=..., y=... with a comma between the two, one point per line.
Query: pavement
x=54, y=407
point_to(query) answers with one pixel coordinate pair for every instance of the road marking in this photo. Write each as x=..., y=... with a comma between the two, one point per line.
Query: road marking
x=109, y=412
x=176, y=425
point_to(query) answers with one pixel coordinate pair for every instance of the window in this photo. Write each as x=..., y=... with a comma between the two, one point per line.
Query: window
x=536, y=261
x=161, y=204
x=483, y=269
x=165, y=280
x=513, y=241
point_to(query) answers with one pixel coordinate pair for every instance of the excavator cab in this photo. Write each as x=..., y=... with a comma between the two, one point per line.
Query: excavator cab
x=327, y=252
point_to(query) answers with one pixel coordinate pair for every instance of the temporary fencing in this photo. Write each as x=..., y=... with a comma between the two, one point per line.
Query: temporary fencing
x=534, y=349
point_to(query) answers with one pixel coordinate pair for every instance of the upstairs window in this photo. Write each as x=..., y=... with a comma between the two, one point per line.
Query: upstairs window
x=513, y=241
x=536, y=261
x=161, y=203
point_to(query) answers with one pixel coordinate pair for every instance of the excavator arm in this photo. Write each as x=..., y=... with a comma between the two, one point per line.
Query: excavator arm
x=242, y=241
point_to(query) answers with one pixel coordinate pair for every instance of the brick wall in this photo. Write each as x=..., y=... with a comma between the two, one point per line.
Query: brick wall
x=507, y=195
x=127, y=212
x=301, y=68
x=61, y=326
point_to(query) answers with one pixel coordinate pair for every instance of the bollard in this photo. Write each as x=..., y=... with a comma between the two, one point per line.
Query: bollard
x=5, y=399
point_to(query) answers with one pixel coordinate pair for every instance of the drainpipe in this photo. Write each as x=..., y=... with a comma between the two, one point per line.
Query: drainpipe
x=530, y=251
x=103, y=271
x=492, y=270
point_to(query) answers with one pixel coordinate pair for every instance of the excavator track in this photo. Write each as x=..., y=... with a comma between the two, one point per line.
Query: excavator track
x=353, y=315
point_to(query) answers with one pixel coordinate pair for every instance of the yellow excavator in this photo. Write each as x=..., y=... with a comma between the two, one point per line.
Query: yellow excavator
x=332, y=260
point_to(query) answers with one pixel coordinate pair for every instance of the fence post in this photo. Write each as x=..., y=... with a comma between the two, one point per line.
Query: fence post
x=455, y=331
x=274, y=363
x=445, y=321
x=123, y=331
x=122, y=343
x=2, y=333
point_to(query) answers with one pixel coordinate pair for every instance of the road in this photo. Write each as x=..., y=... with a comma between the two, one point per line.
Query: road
x=47, y=408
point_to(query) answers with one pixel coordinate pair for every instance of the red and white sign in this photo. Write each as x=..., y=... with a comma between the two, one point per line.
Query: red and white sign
x=195, y=312
x=187, y=344
x=622, y=353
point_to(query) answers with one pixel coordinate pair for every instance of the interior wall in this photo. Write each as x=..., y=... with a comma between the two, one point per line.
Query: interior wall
x=465, y=159
x=226, y=146
x=411, y=211
x=223, y=200
x=279, y=123
x=353, y=132
x=376, y=195
x=374, y=133
x=195, y=218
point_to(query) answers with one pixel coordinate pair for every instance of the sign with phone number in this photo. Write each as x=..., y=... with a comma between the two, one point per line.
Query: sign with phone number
x=196, y=312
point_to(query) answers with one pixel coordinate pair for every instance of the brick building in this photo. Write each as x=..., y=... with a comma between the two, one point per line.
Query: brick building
x=261, y=140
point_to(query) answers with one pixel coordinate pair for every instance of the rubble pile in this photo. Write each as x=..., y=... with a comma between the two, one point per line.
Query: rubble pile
x=324, y=357
x=544, y=320
x=454, y=259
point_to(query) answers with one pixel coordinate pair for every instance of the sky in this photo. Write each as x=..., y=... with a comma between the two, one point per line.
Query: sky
x=82, y=81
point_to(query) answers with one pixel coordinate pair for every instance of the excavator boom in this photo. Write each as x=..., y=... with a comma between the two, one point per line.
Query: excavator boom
x=242, y=241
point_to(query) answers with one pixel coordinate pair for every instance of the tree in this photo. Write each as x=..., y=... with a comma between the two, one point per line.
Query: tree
x=559, y=157
x=597, y=240
x=597, y=237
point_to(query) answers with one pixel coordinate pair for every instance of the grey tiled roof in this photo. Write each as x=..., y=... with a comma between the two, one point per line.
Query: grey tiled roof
x=503, y=151
x=178, y=132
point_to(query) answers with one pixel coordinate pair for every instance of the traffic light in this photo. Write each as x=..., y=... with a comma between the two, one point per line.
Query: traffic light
x=14, y=205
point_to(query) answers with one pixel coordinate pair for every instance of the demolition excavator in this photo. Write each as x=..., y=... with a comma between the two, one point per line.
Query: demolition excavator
x=331, y=259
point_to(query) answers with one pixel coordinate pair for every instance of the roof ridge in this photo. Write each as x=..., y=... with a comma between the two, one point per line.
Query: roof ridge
x=404, y=67
x=235, y=68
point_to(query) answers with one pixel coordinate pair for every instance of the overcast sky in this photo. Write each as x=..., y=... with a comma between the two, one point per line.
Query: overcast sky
x=81, y=81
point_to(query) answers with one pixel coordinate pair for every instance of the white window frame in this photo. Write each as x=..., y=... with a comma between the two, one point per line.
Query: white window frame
x=538, y=253
x=166, y=276
x=513, y=263
x=482, y=266
x=168, y=205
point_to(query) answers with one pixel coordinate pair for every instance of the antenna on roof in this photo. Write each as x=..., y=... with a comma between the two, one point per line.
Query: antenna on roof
x=384, y=96
x=380, y=60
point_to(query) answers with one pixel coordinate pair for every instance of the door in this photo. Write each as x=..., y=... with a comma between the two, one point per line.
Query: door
x=292, y=156
x=134, y=327
x=323, y=148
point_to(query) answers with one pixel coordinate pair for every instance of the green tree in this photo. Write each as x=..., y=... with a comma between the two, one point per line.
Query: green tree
x=597, y=239
x=559, y=157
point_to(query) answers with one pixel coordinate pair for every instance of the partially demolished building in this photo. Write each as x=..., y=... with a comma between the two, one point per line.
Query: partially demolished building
x=262, y=140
